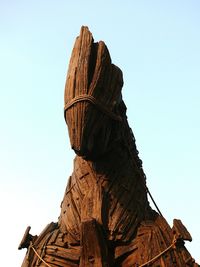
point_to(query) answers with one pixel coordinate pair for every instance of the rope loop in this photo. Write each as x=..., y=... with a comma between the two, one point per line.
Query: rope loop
x=95, y=102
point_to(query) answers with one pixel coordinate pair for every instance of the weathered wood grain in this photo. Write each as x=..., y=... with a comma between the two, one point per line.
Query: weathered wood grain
x=180, y=230
x=105, y=218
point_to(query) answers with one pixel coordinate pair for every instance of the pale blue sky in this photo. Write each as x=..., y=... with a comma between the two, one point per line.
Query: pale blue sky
x=157, y=46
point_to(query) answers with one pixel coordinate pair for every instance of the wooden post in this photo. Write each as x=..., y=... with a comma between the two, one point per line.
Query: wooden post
x=94, y=248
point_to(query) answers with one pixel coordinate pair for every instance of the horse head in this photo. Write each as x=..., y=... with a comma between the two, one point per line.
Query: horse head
x=93, y=101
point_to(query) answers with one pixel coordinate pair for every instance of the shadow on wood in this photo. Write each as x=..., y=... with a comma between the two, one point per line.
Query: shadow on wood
x=105, y=218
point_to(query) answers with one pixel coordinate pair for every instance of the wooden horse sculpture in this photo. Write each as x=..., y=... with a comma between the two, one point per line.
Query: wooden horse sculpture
x=105, y=219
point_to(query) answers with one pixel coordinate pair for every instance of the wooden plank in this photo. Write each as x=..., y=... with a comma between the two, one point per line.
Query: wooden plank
x=94, y=248
x=72, y=254
x=180, y=230
x=105, y=216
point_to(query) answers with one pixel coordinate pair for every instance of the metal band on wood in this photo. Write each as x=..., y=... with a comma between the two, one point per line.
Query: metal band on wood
x=92, y=100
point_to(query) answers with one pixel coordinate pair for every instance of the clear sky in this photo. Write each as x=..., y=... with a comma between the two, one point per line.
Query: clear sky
x=157, y=46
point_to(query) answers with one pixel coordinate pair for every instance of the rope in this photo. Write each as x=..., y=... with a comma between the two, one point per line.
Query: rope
x=131, y=145
x=160, y=254
x=149, y=193
x=39, y=256
x=92, y=100
x=143, y=265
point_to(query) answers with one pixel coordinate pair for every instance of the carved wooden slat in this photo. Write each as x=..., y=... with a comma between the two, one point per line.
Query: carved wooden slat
x=105, y=218
x=180, y=230
x=94, y=249
x=64, y=253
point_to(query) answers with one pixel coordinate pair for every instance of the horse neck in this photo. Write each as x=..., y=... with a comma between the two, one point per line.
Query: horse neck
x=121, y=165
x=110, y=189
